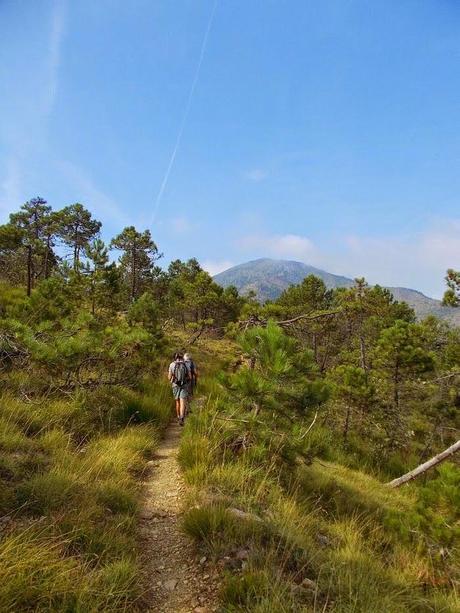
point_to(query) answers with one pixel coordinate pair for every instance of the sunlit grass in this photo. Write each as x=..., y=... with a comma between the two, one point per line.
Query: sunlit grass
x=70, y=493
x=326, y=537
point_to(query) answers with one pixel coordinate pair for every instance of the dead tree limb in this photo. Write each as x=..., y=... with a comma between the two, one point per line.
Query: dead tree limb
x=255, y=320
x=448, y=376
x=196, y=335
x=437, y=459
x=306, y=316
x=310, y=426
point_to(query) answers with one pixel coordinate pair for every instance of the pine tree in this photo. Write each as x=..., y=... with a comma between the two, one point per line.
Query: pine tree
x=35, y=230
x=402, y=353
x=137, y=261
x=97, y=255
x=352, y=388
x=452, y=295
x=76, y=229
x=310, y=295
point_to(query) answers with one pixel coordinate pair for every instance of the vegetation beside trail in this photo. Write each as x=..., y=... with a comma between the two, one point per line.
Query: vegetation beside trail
x=300, y=520
x=310, y=404
x=84, y=402
x=69, y=499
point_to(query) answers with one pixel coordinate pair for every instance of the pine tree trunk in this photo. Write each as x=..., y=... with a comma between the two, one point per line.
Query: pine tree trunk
x=396, y=387
x=93, y=295
x=346, y=425
x=47, y=253
x=29, y=270
x=362, y=348
x=437, y=459
x=133, y=285
x=75, y=250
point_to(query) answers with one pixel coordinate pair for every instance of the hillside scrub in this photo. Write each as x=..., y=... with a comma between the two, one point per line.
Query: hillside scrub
x=310, y=404
x=80, y=413
x=83, y=401
x=299, y=521
x=69, y=508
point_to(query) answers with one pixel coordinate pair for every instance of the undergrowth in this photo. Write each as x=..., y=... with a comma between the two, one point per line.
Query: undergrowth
x=69, y=497
x=297, y=530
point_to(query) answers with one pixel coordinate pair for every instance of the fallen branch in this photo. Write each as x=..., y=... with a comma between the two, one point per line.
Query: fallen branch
x=244, y=421
x=238, y=513
x=166, y=323
x=437, y=459
x=449, y=376
x=196, y=335
x=310, y=426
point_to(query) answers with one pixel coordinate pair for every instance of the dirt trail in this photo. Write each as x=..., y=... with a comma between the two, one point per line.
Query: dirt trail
x=177, y=580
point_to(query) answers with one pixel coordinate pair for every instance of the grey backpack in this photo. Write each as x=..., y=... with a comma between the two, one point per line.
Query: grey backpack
x=180, y=374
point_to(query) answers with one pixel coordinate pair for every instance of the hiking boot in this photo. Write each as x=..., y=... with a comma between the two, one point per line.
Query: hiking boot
x=181, y=421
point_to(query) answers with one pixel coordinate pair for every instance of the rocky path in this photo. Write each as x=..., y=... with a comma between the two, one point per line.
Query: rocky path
x=177, y=580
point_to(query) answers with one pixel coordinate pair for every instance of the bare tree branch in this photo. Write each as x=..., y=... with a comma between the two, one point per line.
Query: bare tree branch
x=437, y=459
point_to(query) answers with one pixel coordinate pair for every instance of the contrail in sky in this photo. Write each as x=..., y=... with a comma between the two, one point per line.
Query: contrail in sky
x=185, y=115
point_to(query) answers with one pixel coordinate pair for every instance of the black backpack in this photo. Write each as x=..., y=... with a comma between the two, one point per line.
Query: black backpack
x=180, y=375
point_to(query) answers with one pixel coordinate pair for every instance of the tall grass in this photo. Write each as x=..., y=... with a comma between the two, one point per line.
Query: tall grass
x=69, y=497
x=311, y=538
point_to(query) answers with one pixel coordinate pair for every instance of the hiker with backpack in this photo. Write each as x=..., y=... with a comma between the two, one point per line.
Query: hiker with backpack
x=179, y=376
x=193, y=379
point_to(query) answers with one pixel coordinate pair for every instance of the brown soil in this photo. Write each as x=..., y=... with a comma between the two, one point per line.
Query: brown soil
x=178, y=578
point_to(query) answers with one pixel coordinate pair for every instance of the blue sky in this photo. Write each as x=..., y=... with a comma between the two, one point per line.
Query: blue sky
x=323, y=131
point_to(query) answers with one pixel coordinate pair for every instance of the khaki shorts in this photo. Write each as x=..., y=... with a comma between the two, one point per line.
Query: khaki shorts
x=180, y=392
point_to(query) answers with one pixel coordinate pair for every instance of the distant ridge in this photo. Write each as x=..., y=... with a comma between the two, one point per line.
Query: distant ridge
x=268, y=278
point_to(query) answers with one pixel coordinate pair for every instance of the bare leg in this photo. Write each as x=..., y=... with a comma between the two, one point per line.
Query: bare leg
x=178, y=408
x=182, y=407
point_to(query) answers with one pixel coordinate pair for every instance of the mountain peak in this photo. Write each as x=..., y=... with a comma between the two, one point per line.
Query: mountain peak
x=268, y=278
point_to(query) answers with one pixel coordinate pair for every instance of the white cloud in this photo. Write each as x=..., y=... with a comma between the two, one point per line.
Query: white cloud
x=91, y=196
x=256, y=174
x=54, y=56
x=11, y=186
x=182, y=225
x=214, y=266
x=418, y=261
x=280, y=245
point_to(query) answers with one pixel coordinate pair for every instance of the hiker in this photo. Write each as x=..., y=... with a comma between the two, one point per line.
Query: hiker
x=180, y=377
x=193, y=380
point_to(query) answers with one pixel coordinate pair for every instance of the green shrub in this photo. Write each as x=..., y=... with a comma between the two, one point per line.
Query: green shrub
x=261, y=591
x=117, y=497
x=119, y=581
x=194, y=451
x=43, y=494
x=204, y=524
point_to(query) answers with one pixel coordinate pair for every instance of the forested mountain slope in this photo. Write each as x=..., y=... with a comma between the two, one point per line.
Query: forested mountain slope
x=268, y=278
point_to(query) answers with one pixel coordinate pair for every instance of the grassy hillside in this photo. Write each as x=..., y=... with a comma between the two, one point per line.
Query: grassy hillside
x=297, y=520
x=70, y=471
